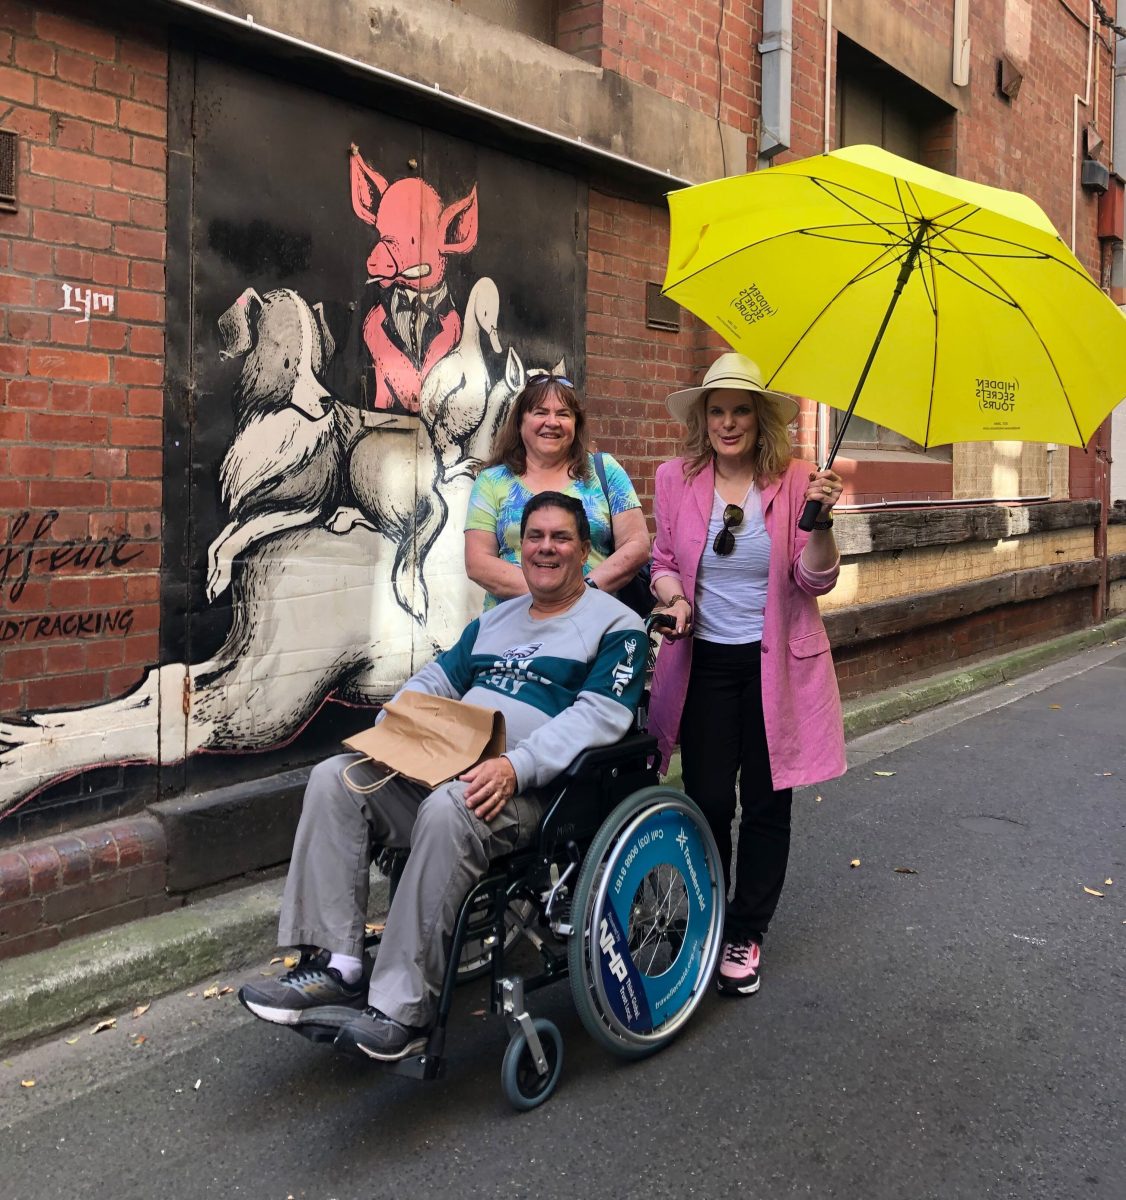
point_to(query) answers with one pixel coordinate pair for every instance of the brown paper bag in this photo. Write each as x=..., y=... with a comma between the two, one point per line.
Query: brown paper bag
x=428, y=739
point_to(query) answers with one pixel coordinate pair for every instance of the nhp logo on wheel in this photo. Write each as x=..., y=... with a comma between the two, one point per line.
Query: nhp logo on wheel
x=607, y=943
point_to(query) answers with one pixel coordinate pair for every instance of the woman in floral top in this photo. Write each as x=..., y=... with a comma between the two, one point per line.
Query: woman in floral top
x=542, y=447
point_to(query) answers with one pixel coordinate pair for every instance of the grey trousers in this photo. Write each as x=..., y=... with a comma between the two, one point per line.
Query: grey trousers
x=326, y=891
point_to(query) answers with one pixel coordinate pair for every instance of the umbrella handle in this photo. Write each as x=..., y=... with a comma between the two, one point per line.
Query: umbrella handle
x=809, y=515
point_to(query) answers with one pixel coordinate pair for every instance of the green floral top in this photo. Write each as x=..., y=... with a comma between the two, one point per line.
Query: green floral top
x=498, y=498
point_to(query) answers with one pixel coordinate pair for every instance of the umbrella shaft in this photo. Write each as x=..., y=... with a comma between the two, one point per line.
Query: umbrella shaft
x=904, y=275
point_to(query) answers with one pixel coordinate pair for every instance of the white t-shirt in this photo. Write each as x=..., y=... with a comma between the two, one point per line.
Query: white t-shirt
x=730, y=598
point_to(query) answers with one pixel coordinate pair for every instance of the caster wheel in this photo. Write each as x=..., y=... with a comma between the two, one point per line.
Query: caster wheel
x=524, y=1087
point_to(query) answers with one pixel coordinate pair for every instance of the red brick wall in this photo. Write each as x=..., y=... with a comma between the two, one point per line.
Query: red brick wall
x=67, y=886
x=631, y=368
x=890, y=661
x=676, y=47
x=81, y=401
x=578, y=29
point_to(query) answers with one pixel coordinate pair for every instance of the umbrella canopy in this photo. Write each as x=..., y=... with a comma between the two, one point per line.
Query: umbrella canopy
x=945, y=310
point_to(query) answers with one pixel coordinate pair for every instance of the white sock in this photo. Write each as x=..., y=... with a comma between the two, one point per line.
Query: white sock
x=350, y=968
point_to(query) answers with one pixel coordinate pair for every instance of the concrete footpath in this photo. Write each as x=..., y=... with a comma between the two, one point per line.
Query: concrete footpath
x=44, y=992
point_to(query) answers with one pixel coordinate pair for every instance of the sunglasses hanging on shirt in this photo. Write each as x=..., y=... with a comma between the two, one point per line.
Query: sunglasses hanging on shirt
x=725, y=540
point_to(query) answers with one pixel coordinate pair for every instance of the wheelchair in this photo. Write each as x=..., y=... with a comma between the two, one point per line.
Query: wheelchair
x=620, y=891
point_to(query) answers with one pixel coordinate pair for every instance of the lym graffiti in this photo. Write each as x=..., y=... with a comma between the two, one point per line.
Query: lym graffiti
x=340, y=408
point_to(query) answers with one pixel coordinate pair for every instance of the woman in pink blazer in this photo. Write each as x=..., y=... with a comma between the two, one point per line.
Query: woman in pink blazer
x=746, y=684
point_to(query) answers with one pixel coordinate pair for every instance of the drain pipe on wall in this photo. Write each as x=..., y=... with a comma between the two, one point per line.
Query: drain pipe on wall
x=1085, y=100
x=776, y=50
x=826, y=146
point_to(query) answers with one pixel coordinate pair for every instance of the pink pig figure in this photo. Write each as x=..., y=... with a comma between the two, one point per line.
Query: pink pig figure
x=415, y=322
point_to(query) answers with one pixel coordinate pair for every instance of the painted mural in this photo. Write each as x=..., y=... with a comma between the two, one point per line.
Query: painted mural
x=338, y=410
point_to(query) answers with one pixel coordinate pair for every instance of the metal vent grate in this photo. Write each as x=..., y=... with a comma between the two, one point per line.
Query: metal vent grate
x=9, y=145
x=660, y=311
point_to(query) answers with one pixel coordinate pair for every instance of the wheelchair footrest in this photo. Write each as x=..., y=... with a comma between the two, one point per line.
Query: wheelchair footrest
x=418, y=1066
x=323, y=1034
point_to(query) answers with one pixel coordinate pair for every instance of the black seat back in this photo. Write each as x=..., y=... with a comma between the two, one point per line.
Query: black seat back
x=592, y=785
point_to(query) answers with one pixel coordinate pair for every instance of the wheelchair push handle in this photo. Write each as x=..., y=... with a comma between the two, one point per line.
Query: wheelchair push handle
x=659, y=621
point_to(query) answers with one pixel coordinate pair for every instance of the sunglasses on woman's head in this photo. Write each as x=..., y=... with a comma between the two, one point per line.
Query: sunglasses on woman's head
x=725, y=540
x=545, y=378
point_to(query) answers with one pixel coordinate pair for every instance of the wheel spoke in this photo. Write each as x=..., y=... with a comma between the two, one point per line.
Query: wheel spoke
x=652, y=926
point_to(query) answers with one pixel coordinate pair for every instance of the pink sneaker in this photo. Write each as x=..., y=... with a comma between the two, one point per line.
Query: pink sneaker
x=739, y=968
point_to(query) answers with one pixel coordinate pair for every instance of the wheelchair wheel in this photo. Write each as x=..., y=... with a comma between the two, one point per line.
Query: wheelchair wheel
x=524, y=1087
x=476, y=957
x=648, y=914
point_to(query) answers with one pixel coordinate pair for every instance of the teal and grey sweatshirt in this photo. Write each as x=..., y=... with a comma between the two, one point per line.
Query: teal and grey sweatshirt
x=564, y=684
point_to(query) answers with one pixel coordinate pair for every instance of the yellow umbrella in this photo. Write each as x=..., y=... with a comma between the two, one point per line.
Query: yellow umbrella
x=945, y=310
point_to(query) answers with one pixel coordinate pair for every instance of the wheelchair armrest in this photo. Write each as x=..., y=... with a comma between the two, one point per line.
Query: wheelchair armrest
x=631, y=747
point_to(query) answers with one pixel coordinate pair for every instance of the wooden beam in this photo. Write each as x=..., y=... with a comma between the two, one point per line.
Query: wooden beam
x=912, y=528
x=866, y=622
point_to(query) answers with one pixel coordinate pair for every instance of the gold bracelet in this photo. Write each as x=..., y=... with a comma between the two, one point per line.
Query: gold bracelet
x=670, y=603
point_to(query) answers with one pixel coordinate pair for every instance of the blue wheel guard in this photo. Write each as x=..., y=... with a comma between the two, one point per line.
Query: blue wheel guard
x=640, y=1001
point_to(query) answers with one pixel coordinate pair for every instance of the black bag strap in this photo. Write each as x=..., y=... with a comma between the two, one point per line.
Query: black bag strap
x=600, y=471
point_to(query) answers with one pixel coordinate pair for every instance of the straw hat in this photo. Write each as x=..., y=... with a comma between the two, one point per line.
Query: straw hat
x=730, y=370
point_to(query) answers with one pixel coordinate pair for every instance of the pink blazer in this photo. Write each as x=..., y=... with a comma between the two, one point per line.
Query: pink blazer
x=800, y=700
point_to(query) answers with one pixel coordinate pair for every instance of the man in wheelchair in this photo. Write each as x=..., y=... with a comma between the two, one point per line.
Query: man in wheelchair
x=565, y=664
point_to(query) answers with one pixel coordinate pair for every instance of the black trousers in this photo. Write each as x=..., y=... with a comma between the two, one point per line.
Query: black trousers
x=722, y=736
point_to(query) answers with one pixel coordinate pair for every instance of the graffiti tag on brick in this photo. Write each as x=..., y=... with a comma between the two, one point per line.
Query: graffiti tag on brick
x=86, y=301
x=19, y=558
x=66, y=625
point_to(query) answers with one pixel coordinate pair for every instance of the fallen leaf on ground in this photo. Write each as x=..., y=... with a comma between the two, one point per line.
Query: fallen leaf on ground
x=141, y=1009
x=1108, y=882
x=1057, y=706
x=884, y=774
x=855, y=862
x=817, y=799
x=374, y=927
x=71, y=1041
x=28, y=1083
x=905, y=721
x=270, y=973
x=195, y=1086
x=225, y=990
x=102, y=1026
x=191, y=995
x=278, y=959
x=906, y=871
x=477, y=1012
x=212, y=992
x=139, y=1039
x=291, y=960
x=1091, y=892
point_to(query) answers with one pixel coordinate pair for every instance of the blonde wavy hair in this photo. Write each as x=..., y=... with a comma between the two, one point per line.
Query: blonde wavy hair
x=771, y=458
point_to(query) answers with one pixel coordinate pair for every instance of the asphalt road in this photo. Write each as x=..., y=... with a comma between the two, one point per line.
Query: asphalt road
x=955, y=1032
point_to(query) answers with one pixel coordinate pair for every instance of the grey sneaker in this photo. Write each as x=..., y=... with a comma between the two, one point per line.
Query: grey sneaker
x=373, y=1034
x=298, y=995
